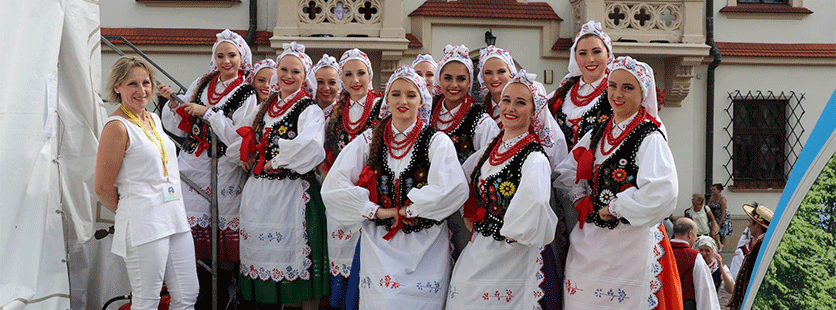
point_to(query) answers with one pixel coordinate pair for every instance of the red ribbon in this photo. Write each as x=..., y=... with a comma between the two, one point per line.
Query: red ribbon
x=248, y=146
x=185, y=120
x=368, y=180
x=471, y=204
x=558, y=102
x=584, y=207
x=585, y=159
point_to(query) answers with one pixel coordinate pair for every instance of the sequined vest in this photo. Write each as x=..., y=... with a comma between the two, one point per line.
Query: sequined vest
x=617, y=173
x=392, y=190
x=600, y=113
x=495, y=193
x=200, y=127
x=462, y=136
x=286, y=128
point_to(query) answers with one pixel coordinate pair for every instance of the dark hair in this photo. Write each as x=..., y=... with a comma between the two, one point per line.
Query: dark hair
x=331, y=138
x=259, y=116
x=718, y=186
x=591, y=35
x=377, y=138
x=562, y=91
x=683, y=227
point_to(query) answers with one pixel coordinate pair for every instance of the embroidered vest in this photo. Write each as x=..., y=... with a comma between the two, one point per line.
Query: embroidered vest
x=462, y=136
x=617, y=173
x=600, y=113
x=685, y=257
x=495, y=193
x=200, y=127
x=343, y=137
x=392, y=190
x=286, y=128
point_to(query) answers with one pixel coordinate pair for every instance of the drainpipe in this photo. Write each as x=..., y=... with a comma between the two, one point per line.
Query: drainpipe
x=709, y=96
x=253, y=22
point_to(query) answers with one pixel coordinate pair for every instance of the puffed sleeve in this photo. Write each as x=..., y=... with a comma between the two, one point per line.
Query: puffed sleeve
x=486, y=130
x=344, y=201
x=446, y=188
x=655, y=197
x=529, y=219
x=567, y=171
x=304, y=152
x=226, y=127
x=171, y=119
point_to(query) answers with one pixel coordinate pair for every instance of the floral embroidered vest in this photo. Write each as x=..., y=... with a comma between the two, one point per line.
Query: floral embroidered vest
x=617, y=173
x=343, y=137
x=462, y=136
x=200, y=127
x=286, y=128
x=496, y=191
x=392, y=190
x=599, y=114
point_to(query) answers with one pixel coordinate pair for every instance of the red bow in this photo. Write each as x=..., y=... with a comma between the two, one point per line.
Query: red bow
x=558, y=102
x=471, y=205
x=368, y=180
x=585, y=159
x=248, y=146
x=185, y=120
x=584, y=207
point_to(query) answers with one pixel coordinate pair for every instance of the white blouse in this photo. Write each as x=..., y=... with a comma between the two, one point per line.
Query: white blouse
x=486, y=127
x=572, y=111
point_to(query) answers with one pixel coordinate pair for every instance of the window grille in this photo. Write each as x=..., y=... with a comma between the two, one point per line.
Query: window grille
x=764, y=133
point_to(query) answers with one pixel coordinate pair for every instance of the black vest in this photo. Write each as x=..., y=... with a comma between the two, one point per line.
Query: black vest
x=600, y=113
x=343, y=138
x=286, y=128
x=462, y=135
x=200, y=127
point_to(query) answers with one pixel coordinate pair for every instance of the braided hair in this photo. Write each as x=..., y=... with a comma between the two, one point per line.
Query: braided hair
x=259, y=116
x=377, y=138
x=487, y=153
x=331, y=136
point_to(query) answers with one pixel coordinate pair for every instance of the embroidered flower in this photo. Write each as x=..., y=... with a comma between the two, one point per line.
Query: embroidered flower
x=408, y=182
x=291, y=134
x=491, y=189
x=421, y=174
x=625, y=187
x=507, y=189
x=384, y=189
x=275, y=140
x=385, y=201
x=282, y=129
x=619, y=175
x=622, y=162
x=605, y=196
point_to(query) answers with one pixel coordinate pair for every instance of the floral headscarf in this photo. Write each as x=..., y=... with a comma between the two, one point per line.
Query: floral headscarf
x=540, y=124
x=240, y=44
x=357, y=54
x=296, y=50
x=409, y=74
x=261, y=64
x=325, y=61
x=707, y=241
x=644, y=74
x=493, y=52
x=453, y=53
x=594, y=28
x=423, y=58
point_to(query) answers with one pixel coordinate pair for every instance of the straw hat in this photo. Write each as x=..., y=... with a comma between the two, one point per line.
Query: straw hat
x=760, y=214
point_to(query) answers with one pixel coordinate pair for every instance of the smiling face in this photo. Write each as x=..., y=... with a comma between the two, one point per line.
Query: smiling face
x=427, y=71
x=495, y=73
x=261, y=82
x=707, y=254
x=135, y=89
x=291, y=73
x=454, y=82
x=403, y=99
x=624, y=93
x=227, y=60
x=327, y=87
x=516, y=108
x=356, y=79
x=591, y=56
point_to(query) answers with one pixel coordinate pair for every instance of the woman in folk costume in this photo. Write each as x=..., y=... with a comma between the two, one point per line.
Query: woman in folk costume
x=503, y=265
x=454, y=110
x=580, y=103
x=263, y=71
x=220, y=101
x=425, y=66
x=400, y=181
x=622, y=179
x=495, y=69
x=283, y=253
x=324, y=84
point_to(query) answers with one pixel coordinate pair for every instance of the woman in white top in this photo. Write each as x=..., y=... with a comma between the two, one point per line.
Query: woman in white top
x=324, y=85
x=219, y=100
x=399, y=181
x=425, y=66
x=495, y=69
x=137, y=178
x=283, y=252
x=263, y=70
x=622, y=179
x=503, y=265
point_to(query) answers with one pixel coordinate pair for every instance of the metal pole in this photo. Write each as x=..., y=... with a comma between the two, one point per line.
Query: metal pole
x=213, y=207
x=133, y=47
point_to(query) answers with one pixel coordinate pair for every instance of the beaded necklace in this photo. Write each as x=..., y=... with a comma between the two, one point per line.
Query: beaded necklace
x=579, y=100
x=213, y=97
x=275, y=110
x=406, y=144
x=354, y=128
x=497, y=157
x=613, y=142
x=467, y=101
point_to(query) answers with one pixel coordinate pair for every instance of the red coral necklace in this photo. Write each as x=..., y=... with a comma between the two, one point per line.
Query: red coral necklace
x=405, y=144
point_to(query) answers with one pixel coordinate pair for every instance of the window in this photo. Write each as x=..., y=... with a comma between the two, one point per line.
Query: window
x=764, y=132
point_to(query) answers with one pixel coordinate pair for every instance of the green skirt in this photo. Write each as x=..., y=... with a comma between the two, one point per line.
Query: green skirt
x=291, y=292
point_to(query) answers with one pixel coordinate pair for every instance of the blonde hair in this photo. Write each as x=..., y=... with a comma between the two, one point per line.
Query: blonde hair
x=120, y=70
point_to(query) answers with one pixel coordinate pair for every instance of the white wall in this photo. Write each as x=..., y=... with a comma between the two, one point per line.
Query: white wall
x=132, y=14
x=819, y=27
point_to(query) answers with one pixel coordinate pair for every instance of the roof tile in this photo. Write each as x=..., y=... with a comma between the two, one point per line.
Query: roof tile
x=765, y=8
x=413, y=41
x=510, y=9
x=797, y=50
x=562, y=44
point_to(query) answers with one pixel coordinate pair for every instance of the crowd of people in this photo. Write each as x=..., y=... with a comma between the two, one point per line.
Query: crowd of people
x=334, y=194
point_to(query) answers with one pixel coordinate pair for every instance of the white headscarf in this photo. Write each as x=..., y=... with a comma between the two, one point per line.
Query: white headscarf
x=261, y=64
x=540, y=124
x=493, y=52
x=594, y=28
x=459, y=54
x=325, y=61
x=409, y=74
x=707, y=241
x=296, y=50
x=240, y=44
x=423, y=58
x=644, y=74
x=358, y=55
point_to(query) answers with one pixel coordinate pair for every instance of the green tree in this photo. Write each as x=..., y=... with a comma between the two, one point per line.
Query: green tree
x=802, y=274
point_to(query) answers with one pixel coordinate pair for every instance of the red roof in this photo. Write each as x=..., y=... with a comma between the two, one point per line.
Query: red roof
x=177, y=36
x=800, y=50
x=413, y=41
x=509, y=9
x=562, y=44
x=765, y=8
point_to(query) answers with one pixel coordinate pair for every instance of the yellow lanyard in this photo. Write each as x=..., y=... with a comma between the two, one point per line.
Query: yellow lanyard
x=160, y=146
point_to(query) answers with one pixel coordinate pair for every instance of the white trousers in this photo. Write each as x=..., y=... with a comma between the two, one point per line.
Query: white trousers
x=171, y=259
